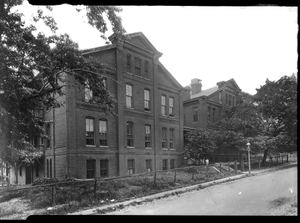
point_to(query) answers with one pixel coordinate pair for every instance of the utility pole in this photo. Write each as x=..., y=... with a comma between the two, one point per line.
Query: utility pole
x=54, y=167
x=249, y=165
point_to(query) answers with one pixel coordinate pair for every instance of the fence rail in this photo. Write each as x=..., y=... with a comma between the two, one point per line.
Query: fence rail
x=191, y=173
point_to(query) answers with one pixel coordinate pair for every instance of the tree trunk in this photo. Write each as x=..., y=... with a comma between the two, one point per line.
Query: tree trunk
x=264, y=157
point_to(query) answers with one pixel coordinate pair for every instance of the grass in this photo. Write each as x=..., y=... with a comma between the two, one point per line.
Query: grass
x=284, y=207
x=80, y=196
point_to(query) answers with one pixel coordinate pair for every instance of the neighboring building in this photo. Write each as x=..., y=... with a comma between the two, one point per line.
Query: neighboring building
x=147, y=134
x=203, y=108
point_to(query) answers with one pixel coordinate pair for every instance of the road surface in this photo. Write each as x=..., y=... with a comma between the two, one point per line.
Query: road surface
x=248, y=196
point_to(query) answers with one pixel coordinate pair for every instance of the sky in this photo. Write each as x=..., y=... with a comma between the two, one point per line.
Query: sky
x=249, y=44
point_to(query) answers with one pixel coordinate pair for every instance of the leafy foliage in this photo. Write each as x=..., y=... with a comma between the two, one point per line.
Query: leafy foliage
x=277, y=100
x=244, y=118
x=35, y=69
x=199, y=144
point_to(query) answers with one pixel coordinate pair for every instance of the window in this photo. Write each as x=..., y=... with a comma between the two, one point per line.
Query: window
x=129, y=134
x=172, y=164
x=171, y=142
x=138, y=62
x=129, y=95
x=213, y=114
x=226, y=99
x=47, y=168
x=149, y=165
x=195, y=114
x=103, y=132
x=171, y=106
x=208, y=113
x=103, y=168
x=146, y=69
x=130, y=166
x=20, y=170
x=48, y=134
x=147, y=136
x=41, y=140
x=229, y=100
x=90, y=168
x=165, y=164
x=89, y=128
x=50, y=168
x=164, y=138
x=88, y=93
x=163, y=105
x=128, y=63
x=147, y=99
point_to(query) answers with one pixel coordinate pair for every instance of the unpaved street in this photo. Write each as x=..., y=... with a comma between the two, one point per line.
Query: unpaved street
x=249, y=196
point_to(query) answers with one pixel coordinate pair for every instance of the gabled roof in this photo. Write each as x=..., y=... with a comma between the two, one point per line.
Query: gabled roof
x=206, y=92
x=96, y=49
x=145, y=40
x=214, y=89
x=170, y=75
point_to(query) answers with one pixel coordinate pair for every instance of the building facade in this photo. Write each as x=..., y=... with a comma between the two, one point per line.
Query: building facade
x=146, y=134
x=203, y=108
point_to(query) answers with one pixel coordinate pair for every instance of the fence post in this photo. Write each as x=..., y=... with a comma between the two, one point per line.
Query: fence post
x=95, y=188
x=53, y=195
x=228, y=167
x=154, y=181
x=242, y=165
x=259, y=164
x=277, y=160
x=287, y=158
x=175, y=177
x=235, y=166
x=193, y=174
x=281, y=159
x=220, y=169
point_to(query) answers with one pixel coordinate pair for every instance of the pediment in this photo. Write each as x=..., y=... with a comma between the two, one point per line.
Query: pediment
x=140, y=40
x=232, y=84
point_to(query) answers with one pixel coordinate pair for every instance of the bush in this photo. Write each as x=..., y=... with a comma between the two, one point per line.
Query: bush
x=44, y=180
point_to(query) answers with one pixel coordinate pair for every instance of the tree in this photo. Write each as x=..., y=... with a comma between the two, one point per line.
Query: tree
x=244, y=118
x=199, y=145
x=277, y=101
x=227, y=140
x=35, y=68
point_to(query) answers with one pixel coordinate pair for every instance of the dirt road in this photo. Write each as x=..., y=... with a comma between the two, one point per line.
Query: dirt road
x=249, y=196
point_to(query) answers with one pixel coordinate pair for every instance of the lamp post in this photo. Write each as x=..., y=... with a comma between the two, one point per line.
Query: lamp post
x=248, y=148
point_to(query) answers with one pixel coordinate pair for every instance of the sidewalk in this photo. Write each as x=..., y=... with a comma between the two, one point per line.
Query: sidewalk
x=112, y=207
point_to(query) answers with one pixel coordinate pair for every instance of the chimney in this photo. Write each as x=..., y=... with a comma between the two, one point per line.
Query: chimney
x=186, y=93
x=196, y=86
x=220, y=84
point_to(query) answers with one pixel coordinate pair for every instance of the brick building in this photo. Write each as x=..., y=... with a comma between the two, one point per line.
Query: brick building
x=203, y=108
x=147, y=134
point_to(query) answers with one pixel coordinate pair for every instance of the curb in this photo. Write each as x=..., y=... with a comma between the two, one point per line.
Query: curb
x=136, y=201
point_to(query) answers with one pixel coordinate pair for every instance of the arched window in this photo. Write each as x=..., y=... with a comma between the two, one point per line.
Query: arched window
x=164, y=138
x=147, y=136
x=147, y=99
x=128, y=63
x=129, y=100
x=129, y=126
x=103, y=132
x=171, y=106
x=171, y=139
x=89, y=128
x=163, y=105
